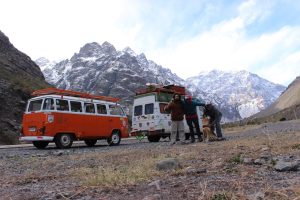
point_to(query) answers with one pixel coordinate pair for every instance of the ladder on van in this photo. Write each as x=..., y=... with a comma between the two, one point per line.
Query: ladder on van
x=49, y=91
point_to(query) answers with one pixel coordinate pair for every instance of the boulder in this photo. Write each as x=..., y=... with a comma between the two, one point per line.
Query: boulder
x=168, y=164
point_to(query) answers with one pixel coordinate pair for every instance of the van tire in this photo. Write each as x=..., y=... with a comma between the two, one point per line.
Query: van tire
x=90, y=142
x=40, y=144
x=154, y=138
x=63, y=140
x=114, y=139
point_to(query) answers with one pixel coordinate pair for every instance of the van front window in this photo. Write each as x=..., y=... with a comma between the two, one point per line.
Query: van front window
x=48, y=104
x=35, y=105
x=138, y=110
x=149, y=108
x=116, y=110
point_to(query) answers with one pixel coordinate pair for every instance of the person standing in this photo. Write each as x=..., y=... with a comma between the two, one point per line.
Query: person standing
x=175, y=107
x=191, y=117
x=214, y=119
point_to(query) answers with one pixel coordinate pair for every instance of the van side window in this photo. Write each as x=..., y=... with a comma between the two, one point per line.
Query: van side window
x=35, y=105
x=101, y=109
x=116, y=110
x=76, y=106
x=149, y=108
x=138, y=110
x=89, y=108
x=48, y=104
x=62, y=105
x=162, y=108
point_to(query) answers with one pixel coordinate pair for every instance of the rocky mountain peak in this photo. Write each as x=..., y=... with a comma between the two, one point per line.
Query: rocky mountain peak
x=4, y=42
x=129, y=51
x=108, y=48
x=90, y=49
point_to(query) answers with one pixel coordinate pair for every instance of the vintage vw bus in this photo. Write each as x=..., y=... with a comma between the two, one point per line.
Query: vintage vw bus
x=62, y=116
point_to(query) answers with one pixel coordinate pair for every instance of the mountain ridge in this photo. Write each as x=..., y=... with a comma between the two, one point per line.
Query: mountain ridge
x=101, y=69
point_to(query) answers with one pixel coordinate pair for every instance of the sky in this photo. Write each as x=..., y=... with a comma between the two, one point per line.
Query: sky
x=186, y=36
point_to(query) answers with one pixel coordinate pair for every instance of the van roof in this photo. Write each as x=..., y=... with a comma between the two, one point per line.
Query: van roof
x=62, y=93
x=86, y=100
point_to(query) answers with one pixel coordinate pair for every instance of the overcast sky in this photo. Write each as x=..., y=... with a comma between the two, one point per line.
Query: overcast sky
x=187, y=36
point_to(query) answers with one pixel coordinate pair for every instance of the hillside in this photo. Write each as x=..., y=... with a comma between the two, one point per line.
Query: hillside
x=290, y=97
x=19, y=76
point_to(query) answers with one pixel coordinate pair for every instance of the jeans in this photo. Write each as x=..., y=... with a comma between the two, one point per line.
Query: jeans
x=194, y=122
x=217, y=124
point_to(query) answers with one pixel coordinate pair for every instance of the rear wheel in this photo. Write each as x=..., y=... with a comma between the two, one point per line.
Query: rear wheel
x=90, y=143
x=114, y=139
x=154, y=138
x=40, y=144
x=64, y=140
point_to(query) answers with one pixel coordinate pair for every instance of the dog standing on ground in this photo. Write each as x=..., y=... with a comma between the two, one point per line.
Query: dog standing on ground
x=208, y=135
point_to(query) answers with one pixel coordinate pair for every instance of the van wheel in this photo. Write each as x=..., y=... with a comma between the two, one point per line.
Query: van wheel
x=40, y=144
x=90, y=143
x=64, y=141
x=154, y=138
x=114, y=139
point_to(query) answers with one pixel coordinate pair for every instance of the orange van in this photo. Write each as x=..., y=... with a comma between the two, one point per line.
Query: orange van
x=62, y=116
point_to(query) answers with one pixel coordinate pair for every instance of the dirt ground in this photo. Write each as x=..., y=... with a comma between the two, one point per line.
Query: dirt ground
x=242, y=167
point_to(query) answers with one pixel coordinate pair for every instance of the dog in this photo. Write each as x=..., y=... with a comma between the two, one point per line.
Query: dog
x=208, y=134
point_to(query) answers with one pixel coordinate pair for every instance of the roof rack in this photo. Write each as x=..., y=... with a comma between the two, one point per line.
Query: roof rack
x=56, y=91
x=165, y=89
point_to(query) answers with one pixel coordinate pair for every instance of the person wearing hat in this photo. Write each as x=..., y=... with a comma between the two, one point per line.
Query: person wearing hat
x=190, y=111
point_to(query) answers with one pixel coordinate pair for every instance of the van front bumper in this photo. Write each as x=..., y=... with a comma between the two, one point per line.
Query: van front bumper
x=36, y=138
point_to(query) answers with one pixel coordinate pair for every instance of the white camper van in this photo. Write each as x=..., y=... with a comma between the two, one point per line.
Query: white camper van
x=148, y=117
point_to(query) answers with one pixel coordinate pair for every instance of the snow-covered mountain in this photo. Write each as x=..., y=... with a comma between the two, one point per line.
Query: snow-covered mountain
x=241, y=91
x=101, y=69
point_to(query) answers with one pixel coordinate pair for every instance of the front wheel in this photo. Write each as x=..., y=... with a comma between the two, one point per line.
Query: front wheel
x=114, y=139
x=64, y=141
x=40, y=144
x=90, y=143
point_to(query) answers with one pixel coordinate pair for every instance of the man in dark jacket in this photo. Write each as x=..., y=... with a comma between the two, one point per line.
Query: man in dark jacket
x=177, y=113
x=214, y=119
x=190, y=111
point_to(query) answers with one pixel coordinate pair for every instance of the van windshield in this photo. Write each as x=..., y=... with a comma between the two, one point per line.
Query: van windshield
x=116, y=110
x=35, y=105
x=149, y=108
x=138, y=110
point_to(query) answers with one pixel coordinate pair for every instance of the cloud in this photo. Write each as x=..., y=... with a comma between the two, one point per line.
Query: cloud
x=227, y=46
x=186, y=36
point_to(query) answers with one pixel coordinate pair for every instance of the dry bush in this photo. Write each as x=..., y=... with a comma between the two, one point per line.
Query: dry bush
x=122, y=168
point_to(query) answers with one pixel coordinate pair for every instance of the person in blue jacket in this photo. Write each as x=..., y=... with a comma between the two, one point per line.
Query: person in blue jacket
x=191, y=117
